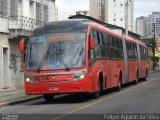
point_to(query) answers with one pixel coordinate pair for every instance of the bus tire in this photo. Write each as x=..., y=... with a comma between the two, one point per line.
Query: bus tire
x=136, y=81
x=96, y=94
x=99, y=91
x=48, y=98
x=145, y=78
x=119, y=87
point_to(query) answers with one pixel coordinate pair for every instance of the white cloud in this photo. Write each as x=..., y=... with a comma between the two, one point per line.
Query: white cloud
x=69, y=7
x=146, y=7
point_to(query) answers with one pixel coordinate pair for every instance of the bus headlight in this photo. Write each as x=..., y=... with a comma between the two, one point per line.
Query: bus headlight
x=82, y=76
x=28, y=80
x=79, y=77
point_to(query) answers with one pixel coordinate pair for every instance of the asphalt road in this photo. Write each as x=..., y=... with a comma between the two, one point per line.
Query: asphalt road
x=132, y=99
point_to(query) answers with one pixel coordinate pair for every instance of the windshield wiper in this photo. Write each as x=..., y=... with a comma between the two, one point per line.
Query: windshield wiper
x=65, y=65
x=46, y=55
x=43, y=59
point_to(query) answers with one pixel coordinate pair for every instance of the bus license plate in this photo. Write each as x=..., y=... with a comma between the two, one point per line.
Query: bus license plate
x=53, y=89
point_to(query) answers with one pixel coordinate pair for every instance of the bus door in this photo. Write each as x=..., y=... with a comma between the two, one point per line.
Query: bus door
x=125, y=61
x=139, y=61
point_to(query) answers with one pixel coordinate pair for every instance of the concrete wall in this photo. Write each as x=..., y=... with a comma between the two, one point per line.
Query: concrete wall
x=16, y=74
x=26, y=8
x=3, y=42
x=4, y=25
x=53, y=15
x=93, y=9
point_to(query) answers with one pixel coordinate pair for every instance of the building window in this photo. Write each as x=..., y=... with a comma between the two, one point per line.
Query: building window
x=45, y=13
x=13, y=8
x=3, y=7
x=114, y=19
x=121, y=5
x=38, y=14
x=121, y=19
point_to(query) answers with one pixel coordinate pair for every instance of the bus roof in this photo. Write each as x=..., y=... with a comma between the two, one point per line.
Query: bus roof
x=133, y=40
x=109, y=31
x=62, y=27
x=105, y=29
x=76, y=25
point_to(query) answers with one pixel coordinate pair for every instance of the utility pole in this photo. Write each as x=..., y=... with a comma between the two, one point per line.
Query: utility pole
x=154, y=46
x=126, y=16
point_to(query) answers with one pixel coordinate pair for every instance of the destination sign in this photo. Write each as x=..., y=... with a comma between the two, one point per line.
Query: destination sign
x=61, y=37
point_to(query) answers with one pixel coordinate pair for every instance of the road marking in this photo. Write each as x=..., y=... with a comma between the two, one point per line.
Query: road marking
x=100, y=100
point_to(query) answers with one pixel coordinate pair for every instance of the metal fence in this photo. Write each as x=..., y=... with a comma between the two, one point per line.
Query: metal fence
x=24, y=23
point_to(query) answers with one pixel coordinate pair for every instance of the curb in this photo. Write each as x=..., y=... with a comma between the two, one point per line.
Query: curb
x=154, y=71
x=20, y=101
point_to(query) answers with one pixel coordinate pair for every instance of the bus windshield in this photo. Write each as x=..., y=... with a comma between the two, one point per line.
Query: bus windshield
x=56, y=51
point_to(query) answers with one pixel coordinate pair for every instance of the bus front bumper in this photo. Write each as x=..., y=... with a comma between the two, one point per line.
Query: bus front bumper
x=81, y=86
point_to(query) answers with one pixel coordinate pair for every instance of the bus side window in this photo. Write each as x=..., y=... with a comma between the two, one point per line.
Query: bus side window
x=110, y=46
x=97, y=49
x=121, y=45
x=106, y=44
x=99, y=38
x=102, y=46
x=95, y=37
x=105, y=40
x=120, y=49
x=141, y=52
x=127, y=46
x=130, y=50
x=91, y=51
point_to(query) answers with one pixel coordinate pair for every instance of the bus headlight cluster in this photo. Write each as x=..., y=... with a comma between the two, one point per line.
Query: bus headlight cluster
x=29, y=80
x=79, y=77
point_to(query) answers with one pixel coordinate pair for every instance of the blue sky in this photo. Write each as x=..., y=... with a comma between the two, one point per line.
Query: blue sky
x=68, y=7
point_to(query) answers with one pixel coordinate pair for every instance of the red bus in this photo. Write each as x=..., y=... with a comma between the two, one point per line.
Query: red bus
x=81, y=56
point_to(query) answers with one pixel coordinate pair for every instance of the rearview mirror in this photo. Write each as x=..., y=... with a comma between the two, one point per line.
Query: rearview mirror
x=91, y=43
x=21, y=45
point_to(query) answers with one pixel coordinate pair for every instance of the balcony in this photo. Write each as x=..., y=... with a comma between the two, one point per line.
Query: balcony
x=22, y=26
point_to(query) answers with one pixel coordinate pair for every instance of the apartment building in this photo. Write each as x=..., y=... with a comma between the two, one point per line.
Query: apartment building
x=141, y=26
x=149, y=26
x=17, y=20
x=116, y=12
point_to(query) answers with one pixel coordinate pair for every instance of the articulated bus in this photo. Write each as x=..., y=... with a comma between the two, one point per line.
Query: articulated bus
x=81, y=56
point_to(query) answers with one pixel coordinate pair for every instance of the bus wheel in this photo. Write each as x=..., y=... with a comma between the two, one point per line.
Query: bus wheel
x=119, y=87
x=96, y=94
x=48, y=98
x=145, y=78
x=136, y=81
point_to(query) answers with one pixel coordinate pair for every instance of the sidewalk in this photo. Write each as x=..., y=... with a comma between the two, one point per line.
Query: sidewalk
x=153, y=71
x=14, y=96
